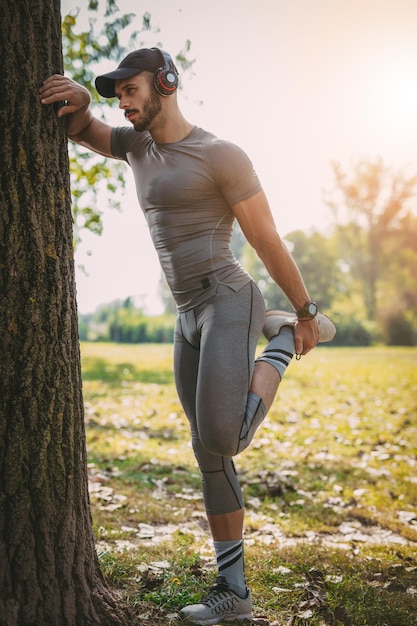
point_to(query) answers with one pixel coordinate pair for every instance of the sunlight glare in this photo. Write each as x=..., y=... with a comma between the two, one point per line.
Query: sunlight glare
x=396, y=96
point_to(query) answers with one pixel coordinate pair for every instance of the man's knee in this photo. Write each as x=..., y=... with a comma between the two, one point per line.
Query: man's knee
x=220, y=443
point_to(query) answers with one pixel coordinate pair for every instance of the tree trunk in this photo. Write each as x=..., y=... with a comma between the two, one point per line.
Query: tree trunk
x=49, y=572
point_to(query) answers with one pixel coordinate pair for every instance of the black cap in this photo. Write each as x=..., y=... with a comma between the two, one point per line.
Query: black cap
x=138, y=61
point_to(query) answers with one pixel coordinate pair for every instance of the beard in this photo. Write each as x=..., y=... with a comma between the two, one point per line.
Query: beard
x=151, y=108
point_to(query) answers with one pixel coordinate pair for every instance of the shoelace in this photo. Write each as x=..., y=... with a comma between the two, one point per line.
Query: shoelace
x=218, y=587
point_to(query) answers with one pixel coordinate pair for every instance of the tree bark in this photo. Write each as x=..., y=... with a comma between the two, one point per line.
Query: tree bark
x=49, y=572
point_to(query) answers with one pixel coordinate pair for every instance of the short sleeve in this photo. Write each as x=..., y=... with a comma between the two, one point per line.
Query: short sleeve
x=233, y=171
x=124, y=140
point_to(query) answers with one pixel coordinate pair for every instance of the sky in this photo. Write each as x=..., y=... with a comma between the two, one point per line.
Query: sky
x=297, y=84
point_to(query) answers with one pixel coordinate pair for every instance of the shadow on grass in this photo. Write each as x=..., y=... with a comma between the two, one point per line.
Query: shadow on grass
x=100, y=369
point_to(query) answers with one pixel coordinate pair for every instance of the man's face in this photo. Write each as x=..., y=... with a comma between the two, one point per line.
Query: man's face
x=139, y=101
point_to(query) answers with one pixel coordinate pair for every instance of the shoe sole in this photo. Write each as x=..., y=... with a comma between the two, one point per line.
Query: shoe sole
x=217, y=620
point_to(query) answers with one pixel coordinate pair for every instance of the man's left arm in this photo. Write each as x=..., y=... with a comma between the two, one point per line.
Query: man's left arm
x=258, y=226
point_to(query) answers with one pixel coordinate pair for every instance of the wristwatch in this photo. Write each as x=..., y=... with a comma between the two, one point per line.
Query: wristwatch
x=307, y=312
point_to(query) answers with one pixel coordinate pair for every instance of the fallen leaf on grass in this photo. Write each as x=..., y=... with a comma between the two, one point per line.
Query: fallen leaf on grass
x=334, y=579
x=313, y=601
x=279, y=590
x=257, y=620
x=160, y=565
x=118, y=502
x=189, y=494
x=108, y=500
x=282, y=570
x=407, y=517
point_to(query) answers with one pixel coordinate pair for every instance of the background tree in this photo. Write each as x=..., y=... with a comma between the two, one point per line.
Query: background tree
x=49, y=572
x=370, y=205
x=317, y=259
x=397, y=313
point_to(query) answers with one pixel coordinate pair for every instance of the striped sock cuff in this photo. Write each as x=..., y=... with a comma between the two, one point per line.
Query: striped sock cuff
x=229, y=556
x=277, y=355
x=231, y=564
x=280, y=350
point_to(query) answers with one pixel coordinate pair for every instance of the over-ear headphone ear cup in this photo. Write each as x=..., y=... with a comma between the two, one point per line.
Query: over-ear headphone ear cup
x=166, y=81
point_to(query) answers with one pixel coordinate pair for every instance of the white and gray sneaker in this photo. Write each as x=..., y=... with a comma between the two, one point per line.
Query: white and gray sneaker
x=275, y=320
x=221, y=603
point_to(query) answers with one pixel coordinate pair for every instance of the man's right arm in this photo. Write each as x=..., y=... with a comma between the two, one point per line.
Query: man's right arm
x=81, y=126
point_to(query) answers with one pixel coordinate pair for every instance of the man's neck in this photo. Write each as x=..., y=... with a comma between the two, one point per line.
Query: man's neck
x=171, y=130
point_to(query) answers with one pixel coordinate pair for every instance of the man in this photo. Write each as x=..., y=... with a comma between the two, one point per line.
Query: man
x=191, y=187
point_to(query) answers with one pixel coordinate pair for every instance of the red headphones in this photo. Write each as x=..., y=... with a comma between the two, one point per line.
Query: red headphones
x=166, y=76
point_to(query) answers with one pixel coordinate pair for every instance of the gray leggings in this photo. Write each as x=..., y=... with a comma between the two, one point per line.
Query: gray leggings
x=214, y=355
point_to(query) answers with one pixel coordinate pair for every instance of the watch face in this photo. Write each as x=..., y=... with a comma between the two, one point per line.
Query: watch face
x=312, y=308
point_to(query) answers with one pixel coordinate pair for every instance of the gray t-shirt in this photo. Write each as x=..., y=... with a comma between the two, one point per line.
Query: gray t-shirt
x=185, y=190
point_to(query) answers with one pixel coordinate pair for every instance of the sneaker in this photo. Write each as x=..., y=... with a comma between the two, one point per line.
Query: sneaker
x=221, y=603
x=275, y=320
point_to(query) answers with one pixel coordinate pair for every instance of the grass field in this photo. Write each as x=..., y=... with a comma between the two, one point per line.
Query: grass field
x=330, y=484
